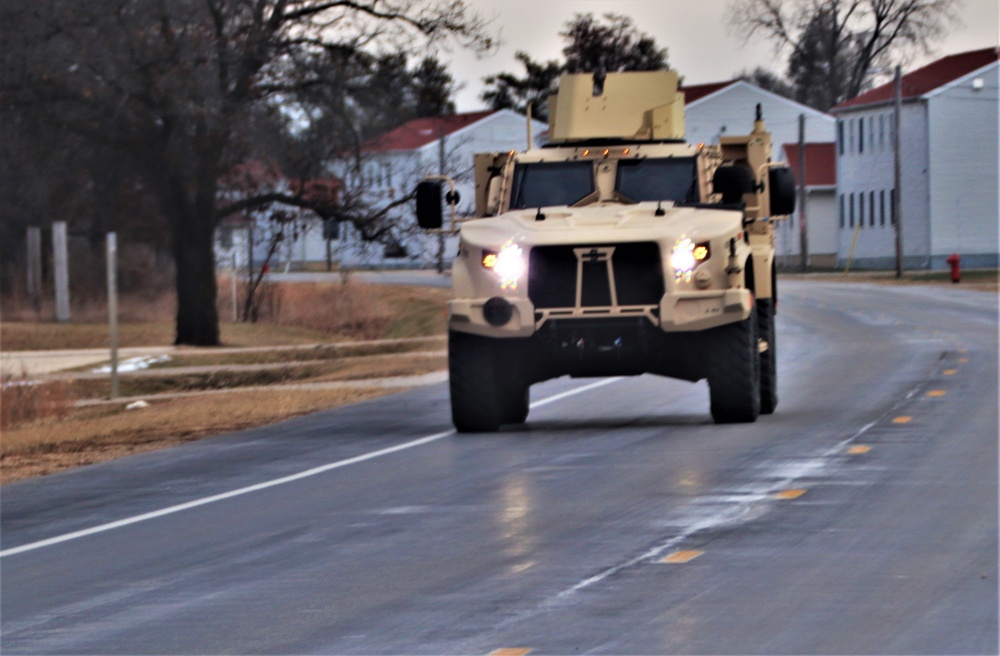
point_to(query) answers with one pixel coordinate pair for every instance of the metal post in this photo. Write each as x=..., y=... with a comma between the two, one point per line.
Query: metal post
x=35, y=267
x=60, y=256
x=898, y=168
x=232, y=278
x=113, y=310
x=803, y=237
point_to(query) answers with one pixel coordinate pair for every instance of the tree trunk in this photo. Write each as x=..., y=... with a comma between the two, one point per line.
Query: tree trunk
x=197, y=315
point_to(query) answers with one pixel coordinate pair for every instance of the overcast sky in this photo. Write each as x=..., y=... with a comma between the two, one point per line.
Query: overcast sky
x=693, y=31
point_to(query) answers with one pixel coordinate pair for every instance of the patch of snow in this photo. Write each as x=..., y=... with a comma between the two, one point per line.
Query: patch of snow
x=133, y=364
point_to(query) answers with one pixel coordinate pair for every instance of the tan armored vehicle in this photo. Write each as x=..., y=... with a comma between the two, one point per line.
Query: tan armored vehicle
x=616, y=249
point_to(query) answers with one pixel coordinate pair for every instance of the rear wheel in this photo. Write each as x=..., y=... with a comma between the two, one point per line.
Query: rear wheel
x=768, y=356
x=734, y=374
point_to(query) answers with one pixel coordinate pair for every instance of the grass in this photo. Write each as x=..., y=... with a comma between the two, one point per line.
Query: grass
x=23, y=401
x=98, y=434
x=44, y=431
x=174, y=379
x=303, y=313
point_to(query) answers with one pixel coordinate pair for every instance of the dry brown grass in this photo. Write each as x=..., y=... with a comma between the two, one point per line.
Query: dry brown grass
x=306, y=314
x=166, y=381
x=103, y=433
x=23, y=400
x=56, y=436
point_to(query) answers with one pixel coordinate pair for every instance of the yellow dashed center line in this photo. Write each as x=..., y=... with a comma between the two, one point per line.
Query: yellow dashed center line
x=681, y=557
x=936, y=393
x=859, y=449
x=511, y=651
x=963, y=360
x=950, y=372
x=902, y=420
x=790, y=494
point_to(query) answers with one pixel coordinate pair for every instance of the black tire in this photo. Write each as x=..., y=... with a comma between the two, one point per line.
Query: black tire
x=516, y=402
x=734, y=374
x=768, y=357
x=485, y=393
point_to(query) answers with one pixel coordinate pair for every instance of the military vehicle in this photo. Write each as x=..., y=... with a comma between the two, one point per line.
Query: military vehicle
x=616, y=249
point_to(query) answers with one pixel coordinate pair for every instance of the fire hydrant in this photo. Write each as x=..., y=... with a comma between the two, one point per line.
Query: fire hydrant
x=956, y=267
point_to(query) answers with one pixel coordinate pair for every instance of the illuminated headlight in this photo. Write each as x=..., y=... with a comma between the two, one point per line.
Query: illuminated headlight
x=508, y=264
x=685, y=256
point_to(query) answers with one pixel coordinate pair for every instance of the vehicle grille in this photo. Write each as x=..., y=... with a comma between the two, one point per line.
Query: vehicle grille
x=553, y=270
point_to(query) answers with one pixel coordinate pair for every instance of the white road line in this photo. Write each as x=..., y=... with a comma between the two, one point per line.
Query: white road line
x=272, y=483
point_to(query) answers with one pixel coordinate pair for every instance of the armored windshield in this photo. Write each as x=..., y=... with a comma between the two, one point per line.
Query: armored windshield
x=546, y=184
x=674, y=178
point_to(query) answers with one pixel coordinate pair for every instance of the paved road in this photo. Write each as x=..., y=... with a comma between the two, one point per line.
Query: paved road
x=861, y=518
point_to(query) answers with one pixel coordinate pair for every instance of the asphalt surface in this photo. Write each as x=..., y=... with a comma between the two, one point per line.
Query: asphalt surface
x=860, y=518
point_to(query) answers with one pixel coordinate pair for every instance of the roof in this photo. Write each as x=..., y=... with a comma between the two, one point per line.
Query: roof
x=924, y=80
x=821, y=163
x=421, y=131
x=698, y=91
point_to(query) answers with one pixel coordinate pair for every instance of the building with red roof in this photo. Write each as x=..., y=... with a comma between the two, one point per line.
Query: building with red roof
x=948, y=140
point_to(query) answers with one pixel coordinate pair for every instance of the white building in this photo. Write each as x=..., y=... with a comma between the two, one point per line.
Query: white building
x=397, y=161
x=728, y=108
x=949, y=172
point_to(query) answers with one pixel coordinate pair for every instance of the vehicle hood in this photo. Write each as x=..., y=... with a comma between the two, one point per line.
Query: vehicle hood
x=602, y=223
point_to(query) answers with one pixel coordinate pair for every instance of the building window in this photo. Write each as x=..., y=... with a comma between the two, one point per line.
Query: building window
x=850, y=201
x=840, y=138
x=861, y=209
x=861, y=134
x=881, y=207
x=841, y=199
x=892, y=206
x=850, y=136
x=871, y=209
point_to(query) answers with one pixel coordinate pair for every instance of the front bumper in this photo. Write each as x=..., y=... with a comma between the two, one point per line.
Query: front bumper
x=677, y=312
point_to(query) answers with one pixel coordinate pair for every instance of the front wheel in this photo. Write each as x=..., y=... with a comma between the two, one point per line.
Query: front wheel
x=734, y=372
x=487, y=390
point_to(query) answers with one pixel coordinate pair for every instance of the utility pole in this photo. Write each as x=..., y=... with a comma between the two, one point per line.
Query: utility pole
x=803, y=236
x=898, y=168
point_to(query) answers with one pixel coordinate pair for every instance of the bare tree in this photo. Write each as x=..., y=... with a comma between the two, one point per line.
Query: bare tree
x=176, y=87
x=833, y=45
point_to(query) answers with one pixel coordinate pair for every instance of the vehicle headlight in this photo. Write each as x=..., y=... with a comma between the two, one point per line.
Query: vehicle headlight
x=685, y=256
x=507, y=263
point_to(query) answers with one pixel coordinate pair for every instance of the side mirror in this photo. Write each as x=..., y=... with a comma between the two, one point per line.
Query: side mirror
x=732, y=182
x=430, y=215
x=781, y=182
